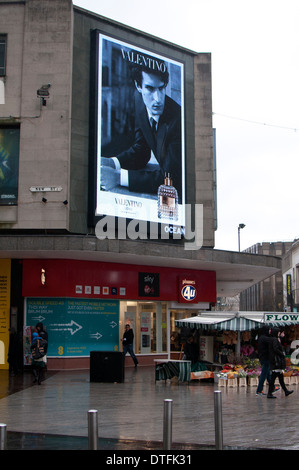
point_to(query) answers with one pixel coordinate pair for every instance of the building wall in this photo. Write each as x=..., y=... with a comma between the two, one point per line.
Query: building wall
x=48, y=42
x=198, y=117
x=290, y=266
x=39, y=52
x=268, y=294
x=204, y=164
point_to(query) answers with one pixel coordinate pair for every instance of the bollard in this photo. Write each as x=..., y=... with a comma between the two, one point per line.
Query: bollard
x=3, y=437
x=167, y=425
x=92, y=430
x=218, y=420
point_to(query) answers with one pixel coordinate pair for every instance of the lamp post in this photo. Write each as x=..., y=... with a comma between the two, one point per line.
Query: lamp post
x=240, y=226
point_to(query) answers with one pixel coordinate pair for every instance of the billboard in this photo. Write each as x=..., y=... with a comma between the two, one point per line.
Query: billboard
x=76, y=326
x=138, y=146
x=9, y=165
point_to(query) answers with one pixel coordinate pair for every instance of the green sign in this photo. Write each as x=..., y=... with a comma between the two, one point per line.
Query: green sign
x=76, y=326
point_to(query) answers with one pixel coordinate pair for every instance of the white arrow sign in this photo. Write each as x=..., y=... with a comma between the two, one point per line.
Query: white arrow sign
x=113, y=324
x=96, y=335
x=39, y=319
x=73, y=327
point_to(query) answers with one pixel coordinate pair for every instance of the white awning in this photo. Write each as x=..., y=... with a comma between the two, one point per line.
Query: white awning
x=238, y=321
x=232, y=321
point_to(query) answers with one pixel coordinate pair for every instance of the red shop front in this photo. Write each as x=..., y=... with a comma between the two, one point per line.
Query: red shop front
x=84, y=305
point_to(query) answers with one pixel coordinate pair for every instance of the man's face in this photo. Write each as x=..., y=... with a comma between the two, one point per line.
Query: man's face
x=153, y=92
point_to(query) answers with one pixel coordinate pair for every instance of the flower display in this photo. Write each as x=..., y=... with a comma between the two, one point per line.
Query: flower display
x=250, y=369
x=242, y=373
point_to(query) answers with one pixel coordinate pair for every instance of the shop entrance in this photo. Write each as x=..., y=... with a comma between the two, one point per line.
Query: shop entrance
x=149, y=323
x=153, y=323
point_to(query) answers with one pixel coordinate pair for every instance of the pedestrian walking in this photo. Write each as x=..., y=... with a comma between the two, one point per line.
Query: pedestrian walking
x=263, y=355
x=277, y=363
x=127, y=341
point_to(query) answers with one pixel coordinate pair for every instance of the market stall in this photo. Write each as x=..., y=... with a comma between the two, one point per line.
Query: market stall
x=231, y=324
x=238, y=326
x=224, y=321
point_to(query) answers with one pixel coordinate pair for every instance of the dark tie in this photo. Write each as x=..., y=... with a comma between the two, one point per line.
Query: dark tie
x=154, y=126
x=154, y=130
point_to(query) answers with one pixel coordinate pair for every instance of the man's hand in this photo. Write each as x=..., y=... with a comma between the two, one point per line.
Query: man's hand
x=106, y=161
x=110, y=178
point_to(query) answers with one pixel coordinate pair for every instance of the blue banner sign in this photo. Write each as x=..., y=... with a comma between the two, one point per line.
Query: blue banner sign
x=76, y=326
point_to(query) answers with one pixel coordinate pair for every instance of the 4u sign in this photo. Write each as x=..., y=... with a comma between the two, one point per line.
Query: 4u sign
x=189, y=293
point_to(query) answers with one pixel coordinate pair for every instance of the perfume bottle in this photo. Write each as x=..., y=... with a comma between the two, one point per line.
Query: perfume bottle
x=167, y=200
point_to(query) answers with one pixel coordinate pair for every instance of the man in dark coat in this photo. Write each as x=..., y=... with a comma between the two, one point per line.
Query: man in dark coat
x=158, y=140
x=191, y=350
x=263, y=354
x=127, y=341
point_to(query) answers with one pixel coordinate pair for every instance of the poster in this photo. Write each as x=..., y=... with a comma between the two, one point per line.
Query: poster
x=140, y=155
x=76, y=326
x=9, y=165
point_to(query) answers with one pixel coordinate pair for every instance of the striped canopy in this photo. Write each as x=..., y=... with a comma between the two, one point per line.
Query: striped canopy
x=232, y=322
x=238, y=321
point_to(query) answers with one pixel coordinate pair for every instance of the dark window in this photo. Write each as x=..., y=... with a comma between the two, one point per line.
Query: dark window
x=3, y=41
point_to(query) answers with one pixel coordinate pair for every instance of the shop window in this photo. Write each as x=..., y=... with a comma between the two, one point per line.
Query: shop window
x=149, y=323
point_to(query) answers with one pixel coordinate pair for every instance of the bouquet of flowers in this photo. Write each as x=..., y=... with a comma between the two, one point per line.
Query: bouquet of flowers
x=242, y=373
x=253, y=373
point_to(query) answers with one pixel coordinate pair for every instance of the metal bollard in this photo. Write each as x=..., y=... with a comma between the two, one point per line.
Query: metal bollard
x=92, y=430
x=167, y=425
x=3, y=437
x=218, y=420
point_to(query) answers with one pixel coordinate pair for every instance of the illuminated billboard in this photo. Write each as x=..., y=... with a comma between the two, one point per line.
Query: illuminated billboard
x=139, y=139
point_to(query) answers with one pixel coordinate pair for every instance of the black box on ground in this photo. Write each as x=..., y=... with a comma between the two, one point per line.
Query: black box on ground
x=106, y=366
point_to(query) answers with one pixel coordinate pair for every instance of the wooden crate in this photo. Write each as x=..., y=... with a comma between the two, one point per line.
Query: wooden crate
x=253, y=381
x=232, y=382
x=222, y=382
x=242, y=382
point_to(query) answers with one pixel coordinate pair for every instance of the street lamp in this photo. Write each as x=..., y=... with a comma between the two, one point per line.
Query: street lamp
x=240, y=226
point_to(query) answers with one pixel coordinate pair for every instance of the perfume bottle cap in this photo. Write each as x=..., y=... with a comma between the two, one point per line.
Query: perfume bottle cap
x=167, y=180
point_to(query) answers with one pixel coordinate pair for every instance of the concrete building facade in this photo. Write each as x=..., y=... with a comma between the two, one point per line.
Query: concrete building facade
x=54, y=267
x=267, y=295
x=290, y=272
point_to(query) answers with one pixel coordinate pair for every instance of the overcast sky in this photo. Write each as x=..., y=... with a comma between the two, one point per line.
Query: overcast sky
x=255, y=82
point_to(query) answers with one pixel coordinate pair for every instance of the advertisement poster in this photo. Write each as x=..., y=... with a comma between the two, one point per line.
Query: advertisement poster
x=76, y=326
x=145, y=332
x=140, y=134
x=148, y=284
x=9, y=165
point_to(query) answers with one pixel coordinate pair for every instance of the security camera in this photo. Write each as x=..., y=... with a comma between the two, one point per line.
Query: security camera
x=43, y=92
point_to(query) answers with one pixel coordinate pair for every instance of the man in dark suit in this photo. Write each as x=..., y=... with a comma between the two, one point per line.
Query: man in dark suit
x=156, y=150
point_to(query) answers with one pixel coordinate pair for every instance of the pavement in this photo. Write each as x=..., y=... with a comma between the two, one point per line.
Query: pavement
x=54, y=415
